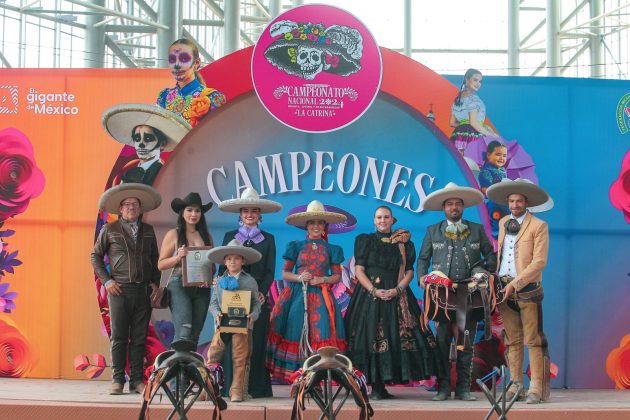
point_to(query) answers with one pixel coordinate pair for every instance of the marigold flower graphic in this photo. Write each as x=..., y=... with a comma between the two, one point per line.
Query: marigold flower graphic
x=618, y=364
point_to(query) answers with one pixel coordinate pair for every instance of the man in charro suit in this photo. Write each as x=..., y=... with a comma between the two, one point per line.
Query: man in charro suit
x=459, y=249
x=523, y=246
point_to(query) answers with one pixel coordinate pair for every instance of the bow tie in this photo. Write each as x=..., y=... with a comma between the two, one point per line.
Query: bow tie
x=457, y=231
x=512, y=227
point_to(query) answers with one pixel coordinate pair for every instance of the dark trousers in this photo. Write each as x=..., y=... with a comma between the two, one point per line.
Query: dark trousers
x=129, y=313
x=444, y=336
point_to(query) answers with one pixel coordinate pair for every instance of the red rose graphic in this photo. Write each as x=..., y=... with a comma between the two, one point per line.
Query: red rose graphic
x=618, y=363
x=17, y=358
x=620, y=190
x=20, y=178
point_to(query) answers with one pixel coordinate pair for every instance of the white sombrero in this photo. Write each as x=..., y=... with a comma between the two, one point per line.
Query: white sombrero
x=216, y=255
x=148, y=196
x=500, y=191
x=250, y=198
x=315, y=211
x=435, y=200
x=120, y=120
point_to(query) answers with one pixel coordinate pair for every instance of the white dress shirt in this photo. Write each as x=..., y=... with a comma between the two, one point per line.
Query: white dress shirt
x=508, y=261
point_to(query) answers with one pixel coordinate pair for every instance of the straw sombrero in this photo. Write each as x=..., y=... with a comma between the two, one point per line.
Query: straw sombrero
x=120, y=120
x=148, y=196
x=216, y=255
x=500, y=191
x=250, y=198
x=435, y=200
x=315, y=211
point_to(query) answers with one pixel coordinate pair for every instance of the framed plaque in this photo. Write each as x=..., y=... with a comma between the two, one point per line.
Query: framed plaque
x=235, y=306
x=197, y=269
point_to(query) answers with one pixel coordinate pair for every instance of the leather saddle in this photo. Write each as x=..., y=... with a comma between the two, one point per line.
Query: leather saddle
x=316, y=369
x=474, y=299
x=172, y=364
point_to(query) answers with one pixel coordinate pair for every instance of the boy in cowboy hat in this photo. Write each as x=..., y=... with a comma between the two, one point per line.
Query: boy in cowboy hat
x=460, y=249
x=233, y=256
x=149, y=129
x=523, y=246
x=131, y=248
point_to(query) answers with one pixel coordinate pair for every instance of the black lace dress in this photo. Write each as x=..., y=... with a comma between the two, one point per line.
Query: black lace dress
x=385, y=340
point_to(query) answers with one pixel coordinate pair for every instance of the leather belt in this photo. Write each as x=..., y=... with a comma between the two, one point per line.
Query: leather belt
x=528, y=288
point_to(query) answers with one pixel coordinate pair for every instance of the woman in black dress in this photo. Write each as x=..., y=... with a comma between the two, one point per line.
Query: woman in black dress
x=250, y=208
x=387, y=339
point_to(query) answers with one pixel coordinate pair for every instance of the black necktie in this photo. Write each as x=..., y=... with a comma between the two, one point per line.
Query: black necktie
x=512, y=226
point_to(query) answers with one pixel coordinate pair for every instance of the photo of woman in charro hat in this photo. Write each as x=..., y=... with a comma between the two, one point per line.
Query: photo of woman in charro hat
x=250, y=208
x=149, y=129
x=188, y=305
x=306, y=315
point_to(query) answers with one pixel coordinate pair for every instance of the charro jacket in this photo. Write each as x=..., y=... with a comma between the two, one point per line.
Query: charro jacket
x=437, y=250
x=129, y=261
x=530, y=253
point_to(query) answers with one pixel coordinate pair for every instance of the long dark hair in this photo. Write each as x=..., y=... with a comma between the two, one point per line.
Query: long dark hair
x=469, y=73
x=201, y=227
x=195, y=51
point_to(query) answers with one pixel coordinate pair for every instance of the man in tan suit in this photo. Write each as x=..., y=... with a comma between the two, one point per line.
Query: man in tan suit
x=522, y=256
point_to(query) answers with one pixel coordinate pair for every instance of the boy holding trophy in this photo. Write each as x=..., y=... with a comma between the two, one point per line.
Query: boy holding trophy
x=235, y=307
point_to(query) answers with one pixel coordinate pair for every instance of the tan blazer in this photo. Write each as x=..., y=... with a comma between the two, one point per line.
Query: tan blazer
x=531, y=248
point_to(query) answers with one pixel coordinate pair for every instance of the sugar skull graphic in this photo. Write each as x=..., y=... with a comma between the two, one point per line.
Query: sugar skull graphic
x=306, y=49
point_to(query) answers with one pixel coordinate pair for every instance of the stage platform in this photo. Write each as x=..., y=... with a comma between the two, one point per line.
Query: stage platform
x=36, y=399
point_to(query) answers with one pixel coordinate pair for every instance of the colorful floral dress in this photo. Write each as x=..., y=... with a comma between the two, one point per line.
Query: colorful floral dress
x=489, y=175
x=325, y=324
x=385, y=343
x=464, y=133
x=192, y=102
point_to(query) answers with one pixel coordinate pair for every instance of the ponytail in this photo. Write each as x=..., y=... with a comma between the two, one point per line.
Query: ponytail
x=469, y=73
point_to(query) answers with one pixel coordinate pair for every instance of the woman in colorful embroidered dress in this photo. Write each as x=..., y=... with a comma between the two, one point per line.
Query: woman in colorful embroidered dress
x=250, y=208
x=190, y=97
x=311, y=265
x=387, y=339
x=468, y=112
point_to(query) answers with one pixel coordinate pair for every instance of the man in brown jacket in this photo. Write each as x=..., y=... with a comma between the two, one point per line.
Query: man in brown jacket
x=522, y=256
x=132, y=252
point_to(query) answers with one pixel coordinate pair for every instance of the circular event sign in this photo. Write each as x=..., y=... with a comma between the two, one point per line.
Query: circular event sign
x=316, y=68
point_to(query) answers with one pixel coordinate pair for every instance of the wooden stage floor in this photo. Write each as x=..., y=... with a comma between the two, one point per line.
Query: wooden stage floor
x=73, y=399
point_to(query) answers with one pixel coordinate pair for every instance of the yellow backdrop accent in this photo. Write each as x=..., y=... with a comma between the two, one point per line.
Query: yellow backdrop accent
x=57, y=309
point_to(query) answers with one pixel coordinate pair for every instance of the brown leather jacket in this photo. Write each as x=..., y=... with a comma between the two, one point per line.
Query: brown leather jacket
x=129, y=261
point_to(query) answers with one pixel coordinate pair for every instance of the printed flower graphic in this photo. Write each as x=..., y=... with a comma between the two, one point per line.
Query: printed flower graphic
x=17, y=357
x=20, y=178
x=618, y=363
x=199, y=107
x=620, y=189
x=6, y=298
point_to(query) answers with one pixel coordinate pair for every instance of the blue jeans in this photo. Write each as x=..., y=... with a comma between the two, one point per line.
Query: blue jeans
x=189, y=308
